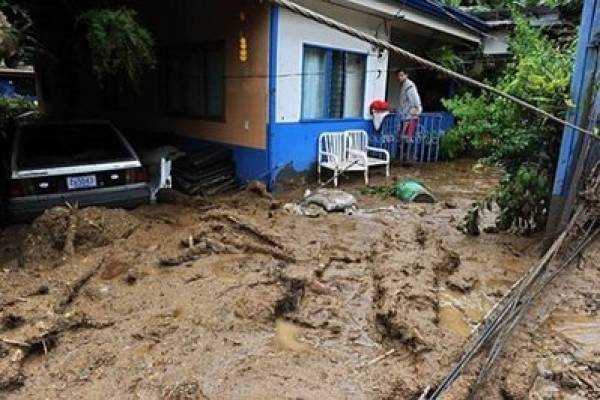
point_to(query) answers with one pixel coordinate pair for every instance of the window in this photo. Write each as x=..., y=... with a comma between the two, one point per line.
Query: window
x=45, y=146
x=194, y=80
x=333, y=83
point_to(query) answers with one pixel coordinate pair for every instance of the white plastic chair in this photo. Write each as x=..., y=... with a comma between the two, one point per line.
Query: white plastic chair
x=357, y=143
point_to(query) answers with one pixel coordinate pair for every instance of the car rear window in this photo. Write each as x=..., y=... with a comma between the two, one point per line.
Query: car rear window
x=48, y=146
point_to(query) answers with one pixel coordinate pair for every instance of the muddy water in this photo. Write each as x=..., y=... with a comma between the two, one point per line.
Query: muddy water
x=287, y=336
x=460, y=312
x=581, y=330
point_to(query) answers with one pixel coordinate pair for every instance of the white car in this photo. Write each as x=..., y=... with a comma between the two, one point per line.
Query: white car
x=78, y=162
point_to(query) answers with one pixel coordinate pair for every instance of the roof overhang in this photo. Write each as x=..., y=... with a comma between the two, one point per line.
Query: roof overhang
x=421, y=13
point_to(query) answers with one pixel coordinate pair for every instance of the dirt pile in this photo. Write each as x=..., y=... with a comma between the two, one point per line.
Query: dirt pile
x=63, y=231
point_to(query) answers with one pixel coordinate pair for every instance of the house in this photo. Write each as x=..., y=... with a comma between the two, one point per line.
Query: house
x=265, y=81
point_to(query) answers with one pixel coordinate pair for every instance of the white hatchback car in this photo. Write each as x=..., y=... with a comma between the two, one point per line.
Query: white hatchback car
x=78, y=162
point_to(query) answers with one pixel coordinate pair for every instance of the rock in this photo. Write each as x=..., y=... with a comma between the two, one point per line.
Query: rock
x=292, y=209
x=331, y=200
x=573, y=397
x=259, y=188
x=544, y=389
x=318, y=287
x=131, y=277
x=568, y=381
x=3, y=351
x=460, y=283
x=450, y=205
x=41, y=290
x=313, y=211
x=544, y=370
x=492, y=229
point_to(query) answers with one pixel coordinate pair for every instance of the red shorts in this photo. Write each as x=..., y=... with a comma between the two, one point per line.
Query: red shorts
x=409, y=127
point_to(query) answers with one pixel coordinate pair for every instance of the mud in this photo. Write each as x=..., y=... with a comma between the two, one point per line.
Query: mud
x=555, y=353
x=231, y=297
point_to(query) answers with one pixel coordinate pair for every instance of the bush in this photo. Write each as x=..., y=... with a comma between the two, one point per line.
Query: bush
x=11, y=108
x=118, y=44
x=16, y=43
x=525, y=144
x=523, y=198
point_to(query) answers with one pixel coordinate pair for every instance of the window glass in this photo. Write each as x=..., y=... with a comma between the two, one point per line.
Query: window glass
x=47, y=146
x=333, y=83
x=195, y=80
x=336, y=97
x=354, y=84
x=214, y=82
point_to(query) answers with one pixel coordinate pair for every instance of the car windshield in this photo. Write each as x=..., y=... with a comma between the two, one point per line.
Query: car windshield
x=48, y=146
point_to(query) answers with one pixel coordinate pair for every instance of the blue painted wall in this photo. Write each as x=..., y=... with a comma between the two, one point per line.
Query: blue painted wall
x=295, y=144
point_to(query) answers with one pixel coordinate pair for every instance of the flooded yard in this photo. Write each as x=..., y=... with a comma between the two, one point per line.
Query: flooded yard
x=234, y=298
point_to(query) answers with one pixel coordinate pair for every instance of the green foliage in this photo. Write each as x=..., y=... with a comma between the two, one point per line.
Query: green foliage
x=118, y=44
x=523, y=199
x=16, y=43
x=471, y=220
x=382, y=191
x=447, y=57
x=503, y=133
x=11, y=108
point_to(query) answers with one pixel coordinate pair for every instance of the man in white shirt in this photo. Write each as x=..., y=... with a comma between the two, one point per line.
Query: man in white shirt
x=410, y=107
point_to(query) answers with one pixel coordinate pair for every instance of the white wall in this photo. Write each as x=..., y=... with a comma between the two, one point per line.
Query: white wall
x=295, y=31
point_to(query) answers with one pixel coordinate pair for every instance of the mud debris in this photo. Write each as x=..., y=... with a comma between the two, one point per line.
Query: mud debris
x=64, y=231
x=251, y=302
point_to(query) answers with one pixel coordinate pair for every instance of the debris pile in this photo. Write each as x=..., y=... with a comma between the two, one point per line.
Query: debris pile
x=225, y=233
x=208, y=172
x=63, y=231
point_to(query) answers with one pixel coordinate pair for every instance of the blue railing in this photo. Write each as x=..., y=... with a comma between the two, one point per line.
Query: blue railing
x=422, y=146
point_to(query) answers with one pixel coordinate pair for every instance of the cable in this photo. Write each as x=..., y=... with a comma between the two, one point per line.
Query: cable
x=290, y=5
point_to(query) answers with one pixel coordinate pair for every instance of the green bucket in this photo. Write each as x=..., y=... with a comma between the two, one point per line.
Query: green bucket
x=410, y=190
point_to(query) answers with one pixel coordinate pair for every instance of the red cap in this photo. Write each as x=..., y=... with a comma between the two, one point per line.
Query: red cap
x=380, y=105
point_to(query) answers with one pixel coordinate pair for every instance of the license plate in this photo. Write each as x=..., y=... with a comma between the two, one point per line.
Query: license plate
x=81, y=182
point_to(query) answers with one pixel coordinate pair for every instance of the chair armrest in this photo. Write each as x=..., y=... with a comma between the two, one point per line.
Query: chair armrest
x=378, y=150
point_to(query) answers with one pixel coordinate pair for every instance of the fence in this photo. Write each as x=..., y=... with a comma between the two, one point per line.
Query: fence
x=422, y=146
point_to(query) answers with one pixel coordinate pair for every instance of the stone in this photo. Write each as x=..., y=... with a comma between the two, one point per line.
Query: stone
x=332, y=200
x=544, y=370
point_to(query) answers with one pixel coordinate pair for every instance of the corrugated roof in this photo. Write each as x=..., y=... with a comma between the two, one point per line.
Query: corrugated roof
x=450, y=14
